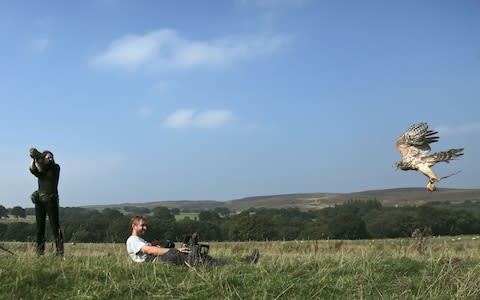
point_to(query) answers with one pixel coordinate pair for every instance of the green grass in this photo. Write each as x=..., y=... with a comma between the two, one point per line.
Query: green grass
x=381, y=269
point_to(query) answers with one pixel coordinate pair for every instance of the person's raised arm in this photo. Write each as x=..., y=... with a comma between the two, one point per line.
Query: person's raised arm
x=33, y=165
x=33, y=168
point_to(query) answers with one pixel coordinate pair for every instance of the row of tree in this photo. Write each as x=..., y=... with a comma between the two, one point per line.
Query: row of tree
x=353, y=220
x=16, y=211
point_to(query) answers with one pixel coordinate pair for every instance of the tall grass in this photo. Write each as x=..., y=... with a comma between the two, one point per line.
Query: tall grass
x=381, y=269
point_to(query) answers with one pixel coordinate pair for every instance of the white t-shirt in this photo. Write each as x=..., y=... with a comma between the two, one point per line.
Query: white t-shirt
x=134, y=246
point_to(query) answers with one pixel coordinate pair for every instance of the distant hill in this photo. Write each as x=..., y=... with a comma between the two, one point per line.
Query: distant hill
x=312, y=201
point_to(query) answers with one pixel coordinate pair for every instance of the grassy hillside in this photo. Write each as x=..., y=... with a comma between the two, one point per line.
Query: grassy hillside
x=193, y=205
x=309, y=201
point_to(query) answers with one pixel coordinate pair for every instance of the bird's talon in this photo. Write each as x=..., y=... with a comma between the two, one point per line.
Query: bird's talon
x=431, y=187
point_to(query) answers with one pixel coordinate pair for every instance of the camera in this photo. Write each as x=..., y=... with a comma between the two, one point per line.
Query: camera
x=196, y=249
x=40, y=161
x=35, y=154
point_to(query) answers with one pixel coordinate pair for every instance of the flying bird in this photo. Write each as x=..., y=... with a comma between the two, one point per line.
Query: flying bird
x=414, y=146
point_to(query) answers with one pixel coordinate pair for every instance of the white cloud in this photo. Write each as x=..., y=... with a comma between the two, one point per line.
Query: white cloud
x=180, y=119
x=188, y=118
x=132, y=51
x=212, y=118
x=458, y=130
x=165, y=49
x=39, y=44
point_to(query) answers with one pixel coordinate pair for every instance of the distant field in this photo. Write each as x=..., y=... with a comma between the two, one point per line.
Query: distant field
x=183, y=215
x=12, y=219
x=449, y=268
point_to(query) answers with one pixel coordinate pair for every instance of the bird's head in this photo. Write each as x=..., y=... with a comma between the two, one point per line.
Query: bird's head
x=402, y=166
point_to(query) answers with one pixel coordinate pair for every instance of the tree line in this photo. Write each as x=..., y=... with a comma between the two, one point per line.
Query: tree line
x=352, y=220
x=16, y=211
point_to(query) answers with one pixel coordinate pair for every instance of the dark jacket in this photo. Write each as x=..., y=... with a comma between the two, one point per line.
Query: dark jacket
x=48, y=179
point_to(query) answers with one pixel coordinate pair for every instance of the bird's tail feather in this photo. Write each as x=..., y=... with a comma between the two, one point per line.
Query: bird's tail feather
x=446, y=156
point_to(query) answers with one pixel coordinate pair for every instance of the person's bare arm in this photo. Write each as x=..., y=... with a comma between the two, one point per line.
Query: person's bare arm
x=184, y=250
x=154, y=250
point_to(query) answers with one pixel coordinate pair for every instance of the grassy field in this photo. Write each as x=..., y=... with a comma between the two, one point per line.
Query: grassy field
x=448, y=268
x=183, y=215
x=12, y=219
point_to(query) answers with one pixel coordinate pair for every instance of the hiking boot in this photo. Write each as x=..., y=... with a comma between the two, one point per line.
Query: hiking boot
x=59, y=247
x=60, y=251
x=40, y=250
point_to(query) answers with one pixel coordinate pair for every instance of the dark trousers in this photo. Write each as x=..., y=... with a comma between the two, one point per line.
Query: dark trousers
x=42, y=209
x=173, y=256
x=178, y=258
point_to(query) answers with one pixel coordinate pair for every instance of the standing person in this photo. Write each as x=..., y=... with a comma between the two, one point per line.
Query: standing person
x=46, y=198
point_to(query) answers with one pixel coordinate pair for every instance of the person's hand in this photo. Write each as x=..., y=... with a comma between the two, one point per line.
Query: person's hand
x=184, y=250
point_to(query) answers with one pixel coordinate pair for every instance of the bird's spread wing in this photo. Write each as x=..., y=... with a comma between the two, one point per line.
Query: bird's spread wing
x=415, y=141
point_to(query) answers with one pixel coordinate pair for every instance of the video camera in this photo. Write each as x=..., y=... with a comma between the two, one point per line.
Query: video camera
x=35, y=154
x=196, y=249
x=40, y=161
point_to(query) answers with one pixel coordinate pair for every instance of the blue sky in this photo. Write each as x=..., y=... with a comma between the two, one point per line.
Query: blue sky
x=193, y=100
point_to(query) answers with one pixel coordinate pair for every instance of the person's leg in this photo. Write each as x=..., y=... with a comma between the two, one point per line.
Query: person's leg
x=252, y=258
x=199, y=256
x=173, y=256
x=52, y=210
x=40, y=216
x=207, y=260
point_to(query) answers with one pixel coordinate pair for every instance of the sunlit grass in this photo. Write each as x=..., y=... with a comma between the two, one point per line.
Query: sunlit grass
x=370, y=269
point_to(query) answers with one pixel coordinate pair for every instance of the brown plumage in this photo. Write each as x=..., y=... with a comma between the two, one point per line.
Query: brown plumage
x=414, y=146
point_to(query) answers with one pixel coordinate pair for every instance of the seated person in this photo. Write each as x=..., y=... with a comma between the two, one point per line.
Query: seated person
x=141, y=250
